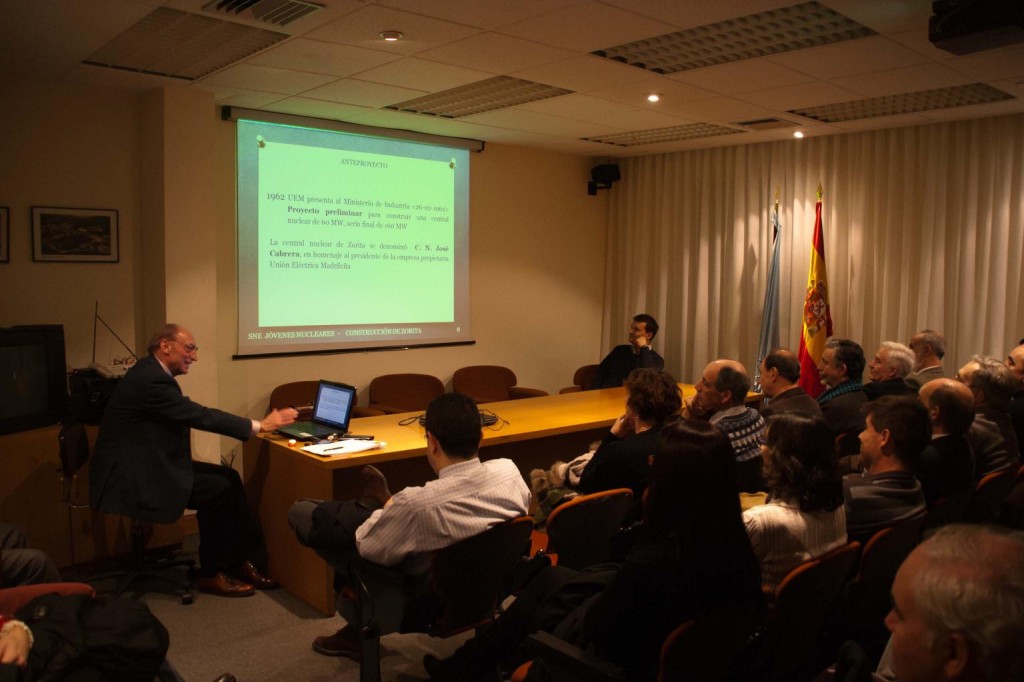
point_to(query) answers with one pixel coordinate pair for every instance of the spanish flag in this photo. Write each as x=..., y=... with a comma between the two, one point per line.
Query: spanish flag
x=817, y=318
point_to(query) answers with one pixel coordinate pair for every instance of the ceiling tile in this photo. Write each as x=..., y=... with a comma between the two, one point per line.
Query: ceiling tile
x=490, y=14
x=316, y=56
x=849, y=57
x=362, y=29
x=420, y=74
x=692, y=14
x=673, y=94
x=305, y=106
x=521, y=119
x=895, y=81
x=810, y=94
x=249, y=99
x=1007, y=62
x=587, y=26
x=745, y=76
x=266, y=79
x=1013, y=106
x=885, y=17
x=362, y=93
x=722, y=110
x=583, y=73
x=496, y=53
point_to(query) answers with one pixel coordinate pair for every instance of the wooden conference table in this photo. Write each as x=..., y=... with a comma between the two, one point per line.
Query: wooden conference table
x=538, y=432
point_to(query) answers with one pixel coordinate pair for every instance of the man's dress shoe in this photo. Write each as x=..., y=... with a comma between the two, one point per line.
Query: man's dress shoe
x=251, y=575
x=344, y=642
x=223, y=586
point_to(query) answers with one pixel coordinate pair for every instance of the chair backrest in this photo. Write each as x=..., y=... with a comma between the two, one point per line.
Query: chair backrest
x=468, y=577
x=947, y=510
x=404, y=392
x=484, y=383
x=297, y=393
x=709, y=648
x=581, y=379
x=989, y=495
x=802, y=602
x=580, y=530
x=868, y=599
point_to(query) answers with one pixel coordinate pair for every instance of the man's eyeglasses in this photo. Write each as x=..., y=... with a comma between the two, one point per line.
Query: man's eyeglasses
x=189, y=347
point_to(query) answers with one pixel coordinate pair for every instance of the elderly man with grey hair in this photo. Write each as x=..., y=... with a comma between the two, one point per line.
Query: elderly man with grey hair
x=929, y=347
x=888, y=370
x=958, y=608
x=991, y=435
x=720, y=397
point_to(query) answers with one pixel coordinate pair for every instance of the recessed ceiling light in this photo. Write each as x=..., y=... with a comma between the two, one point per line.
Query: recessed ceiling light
x=654, y=97
x=392, y=36
x=798, y=134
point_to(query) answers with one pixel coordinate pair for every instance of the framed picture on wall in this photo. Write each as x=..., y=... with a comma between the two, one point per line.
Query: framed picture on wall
x=74, y=235
x=5, y=234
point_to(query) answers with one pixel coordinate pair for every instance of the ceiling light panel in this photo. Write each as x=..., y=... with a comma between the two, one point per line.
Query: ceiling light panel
x=476, y=98
x=905, y=103
x=785, y=29
x=280, y=12
x=691, y=131
x=168, y=42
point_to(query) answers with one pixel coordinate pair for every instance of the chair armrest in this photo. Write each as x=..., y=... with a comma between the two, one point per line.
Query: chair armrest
x=517, y=392
x=13, y=598
x=570, y=663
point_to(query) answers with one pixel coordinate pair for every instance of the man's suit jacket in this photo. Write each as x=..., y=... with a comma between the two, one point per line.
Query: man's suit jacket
x=792, y=401
x=918, y=379
x=142, y=464
x=876, y=389
x=845, y=419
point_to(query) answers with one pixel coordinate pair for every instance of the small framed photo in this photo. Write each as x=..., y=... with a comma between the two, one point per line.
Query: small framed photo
x=5, y=234
x=74, y=235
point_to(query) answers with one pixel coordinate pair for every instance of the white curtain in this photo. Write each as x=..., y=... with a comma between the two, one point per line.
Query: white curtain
x=924, y=228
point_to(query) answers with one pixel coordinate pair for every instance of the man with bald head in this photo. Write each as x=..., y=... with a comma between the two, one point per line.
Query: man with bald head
x=958, y=608
x=929, y=347
x=721, y=391
x=780, y=370
x=991, y=436
x=946, y=466
x=888, y=369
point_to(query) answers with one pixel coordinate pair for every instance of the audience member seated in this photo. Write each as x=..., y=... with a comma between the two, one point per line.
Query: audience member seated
x=991, y=436
x=840, y=369
x=888, y=370
x=958, y=608
x=946, y=466
x=637, y=354
x=720, y=396
x=897, y=430
x=691, y=557
x=622, y=460
x=804, y=517
x=20, y=565
x=929, y=347
x=401, y=531
x=780, y=372
x=1015, y=361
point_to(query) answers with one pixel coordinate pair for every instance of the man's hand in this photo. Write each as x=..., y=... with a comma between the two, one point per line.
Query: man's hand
x=640, y=341
x=693, y=409
x=278, y=418
x=622, y=427
x=14, y=646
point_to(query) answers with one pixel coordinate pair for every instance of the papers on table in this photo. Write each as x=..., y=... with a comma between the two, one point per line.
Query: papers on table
x=343, y=447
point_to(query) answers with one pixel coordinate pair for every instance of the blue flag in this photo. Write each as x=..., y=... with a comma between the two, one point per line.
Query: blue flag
x=770, y=317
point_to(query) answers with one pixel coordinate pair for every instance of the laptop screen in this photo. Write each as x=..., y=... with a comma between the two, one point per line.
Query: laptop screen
x=334, y=403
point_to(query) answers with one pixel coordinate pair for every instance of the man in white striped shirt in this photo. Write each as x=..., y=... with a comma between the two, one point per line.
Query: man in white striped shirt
x=402, y=530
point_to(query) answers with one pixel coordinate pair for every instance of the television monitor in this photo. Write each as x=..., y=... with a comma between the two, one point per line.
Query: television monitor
x=33, y=377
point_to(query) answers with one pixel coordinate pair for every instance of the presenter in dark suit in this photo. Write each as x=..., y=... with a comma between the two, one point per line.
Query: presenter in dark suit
x=143, y=467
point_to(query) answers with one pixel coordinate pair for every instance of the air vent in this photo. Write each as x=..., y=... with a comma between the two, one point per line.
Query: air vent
x=766, y=124
x=757, y=35
x=476, y=98
x=177, y=44
x=279, y=12
x=674, y=134
x=905, y=103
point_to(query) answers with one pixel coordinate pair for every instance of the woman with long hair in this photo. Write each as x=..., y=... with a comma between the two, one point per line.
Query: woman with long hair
x=804, y=516
x=692, y=556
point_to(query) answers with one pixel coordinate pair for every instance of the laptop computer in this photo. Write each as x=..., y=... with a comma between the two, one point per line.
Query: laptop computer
x=332, y=411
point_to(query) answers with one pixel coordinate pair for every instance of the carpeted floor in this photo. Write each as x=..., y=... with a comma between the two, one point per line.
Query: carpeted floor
x=268, y=637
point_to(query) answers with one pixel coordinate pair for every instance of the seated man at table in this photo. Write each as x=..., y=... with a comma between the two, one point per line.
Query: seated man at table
x=636, y=354
x=402, y=530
